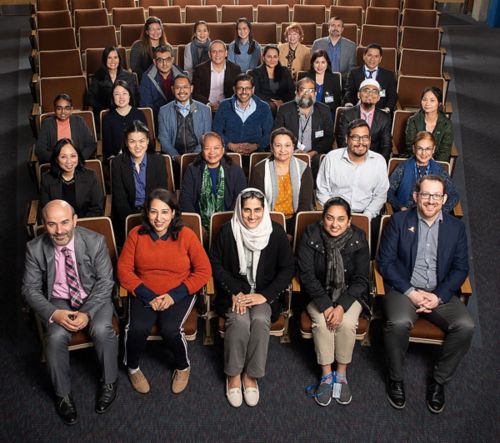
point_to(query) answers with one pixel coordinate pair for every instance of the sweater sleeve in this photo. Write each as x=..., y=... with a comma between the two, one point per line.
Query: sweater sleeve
x=126, y=264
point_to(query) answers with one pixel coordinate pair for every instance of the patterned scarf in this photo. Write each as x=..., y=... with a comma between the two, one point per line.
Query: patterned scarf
x=335, y=282
x=290, y=57
x=211, y=202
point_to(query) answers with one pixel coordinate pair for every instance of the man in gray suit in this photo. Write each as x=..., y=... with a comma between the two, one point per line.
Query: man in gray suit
x=340, y=50
x=68, y=280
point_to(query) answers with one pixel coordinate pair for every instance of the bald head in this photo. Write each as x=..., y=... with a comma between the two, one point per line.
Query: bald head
x=60, y=220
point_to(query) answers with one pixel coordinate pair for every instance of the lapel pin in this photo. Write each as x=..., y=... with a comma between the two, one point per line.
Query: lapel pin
x=412, y=229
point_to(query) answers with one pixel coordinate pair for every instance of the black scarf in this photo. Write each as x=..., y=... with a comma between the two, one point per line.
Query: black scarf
x=199, y=51
x=334, y=282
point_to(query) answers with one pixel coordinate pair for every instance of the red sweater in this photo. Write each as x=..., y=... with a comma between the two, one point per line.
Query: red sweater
x=163, y=265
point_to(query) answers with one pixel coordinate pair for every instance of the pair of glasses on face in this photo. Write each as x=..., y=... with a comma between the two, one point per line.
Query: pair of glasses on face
x=307, y=90
x=244, y=88
x=164, y=60
x=423, y=150
x=429, y=196
x=359, y=138
x=370, y=91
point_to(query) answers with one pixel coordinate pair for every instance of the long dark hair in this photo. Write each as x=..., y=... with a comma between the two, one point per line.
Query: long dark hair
x=55, y=170
x=169, y=199
x=102, y=71
x=237, y=39
x=144, y=40
x=279, y=68
x=320, y=53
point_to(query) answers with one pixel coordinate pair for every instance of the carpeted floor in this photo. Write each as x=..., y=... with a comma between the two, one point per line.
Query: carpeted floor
x=285, y=413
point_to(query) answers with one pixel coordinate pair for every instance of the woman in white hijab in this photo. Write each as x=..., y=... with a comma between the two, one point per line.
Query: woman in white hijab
x=252, y=265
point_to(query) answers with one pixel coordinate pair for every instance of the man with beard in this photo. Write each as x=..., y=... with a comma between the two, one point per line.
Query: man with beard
x=310, y=122
x=423, y=259
x=341, y=51
x=244, y=121
x=68, y=281
x=378, y=121
x=355, y=173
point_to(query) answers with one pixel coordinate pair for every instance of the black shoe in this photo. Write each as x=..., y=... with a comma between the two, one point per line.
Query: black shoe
x=396, y=393
x=105, y=396
x=435, y=397
x=66, y=408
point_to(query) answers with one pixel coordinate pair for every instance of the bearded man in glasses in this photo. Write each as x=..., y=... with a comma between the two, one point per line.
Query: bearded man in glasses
x=423, y=260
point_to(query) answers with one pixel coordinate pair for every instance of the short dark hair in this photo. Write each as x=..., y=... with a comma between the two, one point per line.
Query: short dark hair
x=180, y=76
x=200, y=160
x=430, y=177
x=317, y=54
x=243, y=77
x=63, y=96
x=55, y=170
x=163, y=48
x=169, y=199
x=283, y=131
x=336, y=201
x=357, y=123
x=374, y=46
x=435, y=90
x=126, y=86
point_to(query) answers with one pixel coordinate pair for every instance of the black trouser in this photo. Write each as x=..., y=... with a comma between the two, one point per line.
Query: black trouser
x=452, y=317
x=170, y=323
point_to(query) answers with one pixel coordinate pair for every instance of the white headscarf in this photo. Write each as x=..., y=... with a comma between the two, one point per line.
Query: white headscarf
x=255, y=239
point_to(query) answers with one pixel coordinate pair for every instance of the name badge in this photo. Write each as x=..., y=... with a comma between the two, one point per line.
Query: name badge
x=329, y=99
x=382, y=93
x=301, y=146
x=319, y=134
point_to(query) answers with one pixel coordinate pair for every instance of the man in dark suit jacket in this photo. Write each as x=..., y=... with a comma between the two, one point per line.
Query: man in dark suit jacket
x=207, y=87
x=379, y=121
x=372, y=57
x=423, y=260
x=311, y=122
x=68, y=298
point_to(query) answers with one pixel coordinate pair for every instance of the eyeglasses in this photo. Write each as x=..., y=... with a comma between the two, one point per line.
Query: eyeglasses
x=370, y=91
x=63, y=108
x=428, y=196
x=252, y=194
x=164, y=60
x=244, y=88
x=424, y=150
x=180, y=88
x=307, y=90
x=357, y=138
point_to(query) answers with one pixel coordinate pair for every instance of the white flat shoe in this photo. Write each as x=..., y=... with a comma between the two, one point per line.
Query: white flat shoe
x=251, y=395
x=233, y=395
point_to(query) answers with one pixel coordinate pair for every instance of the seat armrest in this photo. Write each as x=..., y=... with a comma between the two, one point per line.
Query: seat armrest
x=379, y=282
x=295, y=284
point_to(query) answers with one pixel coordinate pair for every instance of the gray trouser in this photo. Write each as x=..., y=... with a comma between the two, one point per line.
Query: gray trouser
x=105, y=340
x=246, y=341
x=452, y=317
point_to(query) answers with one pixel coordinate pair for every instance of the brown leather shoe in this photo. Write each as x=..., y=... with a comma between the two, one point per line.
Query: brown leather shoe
x=139, y=382
x=180, y=380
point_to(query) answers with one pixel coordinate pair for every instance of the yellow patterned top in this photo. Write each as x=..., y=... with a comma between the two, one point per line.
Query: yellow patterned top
x=284, y=199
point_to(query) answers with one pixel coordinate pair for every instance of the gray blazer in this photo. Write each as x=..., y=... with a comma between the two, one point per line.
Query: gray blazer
x=347, y=52
x=94, y=269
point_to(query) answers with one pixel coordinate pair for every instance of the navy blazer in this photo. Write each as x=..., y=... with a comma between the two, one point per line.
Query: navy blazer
x=386, y=80
x=398, y=251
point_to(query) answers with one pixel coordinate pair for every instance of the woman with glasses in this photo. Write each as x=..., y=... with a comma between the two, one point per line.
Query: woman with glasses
x=162, y=265
x=244, y=50
x=402, y=181
x=334, y=271
x=431, y=118
x=141, y=52
x=286, y=181
x=112, y=69
x=212, y=182
x=135, y=173
x=123, y=112
x=293, y=54
x=69, y=180
x=273, y=82
x=328, y=86
x=64, y=125
x=252, y=264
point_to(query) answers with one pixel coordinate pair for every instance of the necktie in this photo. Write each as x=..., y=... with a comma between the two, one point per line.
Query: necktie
x=72, y=279
x=370, y=74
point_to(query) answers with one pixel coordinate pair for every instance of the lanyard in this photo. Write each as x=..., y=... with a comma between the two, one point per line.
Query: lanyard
x=303, y=128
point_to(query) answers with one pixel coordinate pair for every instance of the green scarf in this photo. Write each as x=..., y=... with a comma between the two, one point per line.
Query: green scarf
x=210, y=202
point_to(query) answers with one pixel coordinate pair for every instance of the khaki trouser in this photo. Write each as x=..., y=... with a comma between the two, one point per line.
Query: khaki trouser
x=334, y=345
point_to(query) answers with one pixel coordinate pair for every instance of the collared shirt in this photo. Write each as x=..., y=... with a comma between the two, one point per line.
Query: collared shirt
x=367, y=115
x=334, y=54
x=60, y=288
x=140, y=181
x=247, y=112
x=363, y=185
x=425, y=270
x=305, y=130
x=216, y=84
x=166, y=85
x=183, y=109
x=374, y=73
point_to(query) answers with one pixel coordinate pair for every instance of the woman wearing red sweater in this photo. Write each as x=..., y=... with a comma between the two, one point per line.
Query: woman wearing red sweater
x=162, y=265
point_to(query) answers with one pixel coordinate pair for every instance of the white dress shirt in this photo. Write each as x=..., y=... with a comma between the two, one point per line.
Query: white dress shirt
x=363, y=185
x=216, y=85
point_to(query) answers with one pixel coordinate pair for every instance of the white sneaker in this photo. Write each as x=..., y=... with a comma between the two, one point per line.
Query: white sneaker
x=233, y=395
x=251, y=395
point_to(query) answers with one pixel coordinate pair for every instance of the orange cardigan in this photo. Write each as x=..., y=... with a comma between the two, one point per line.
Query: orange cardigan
x=163, y=265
